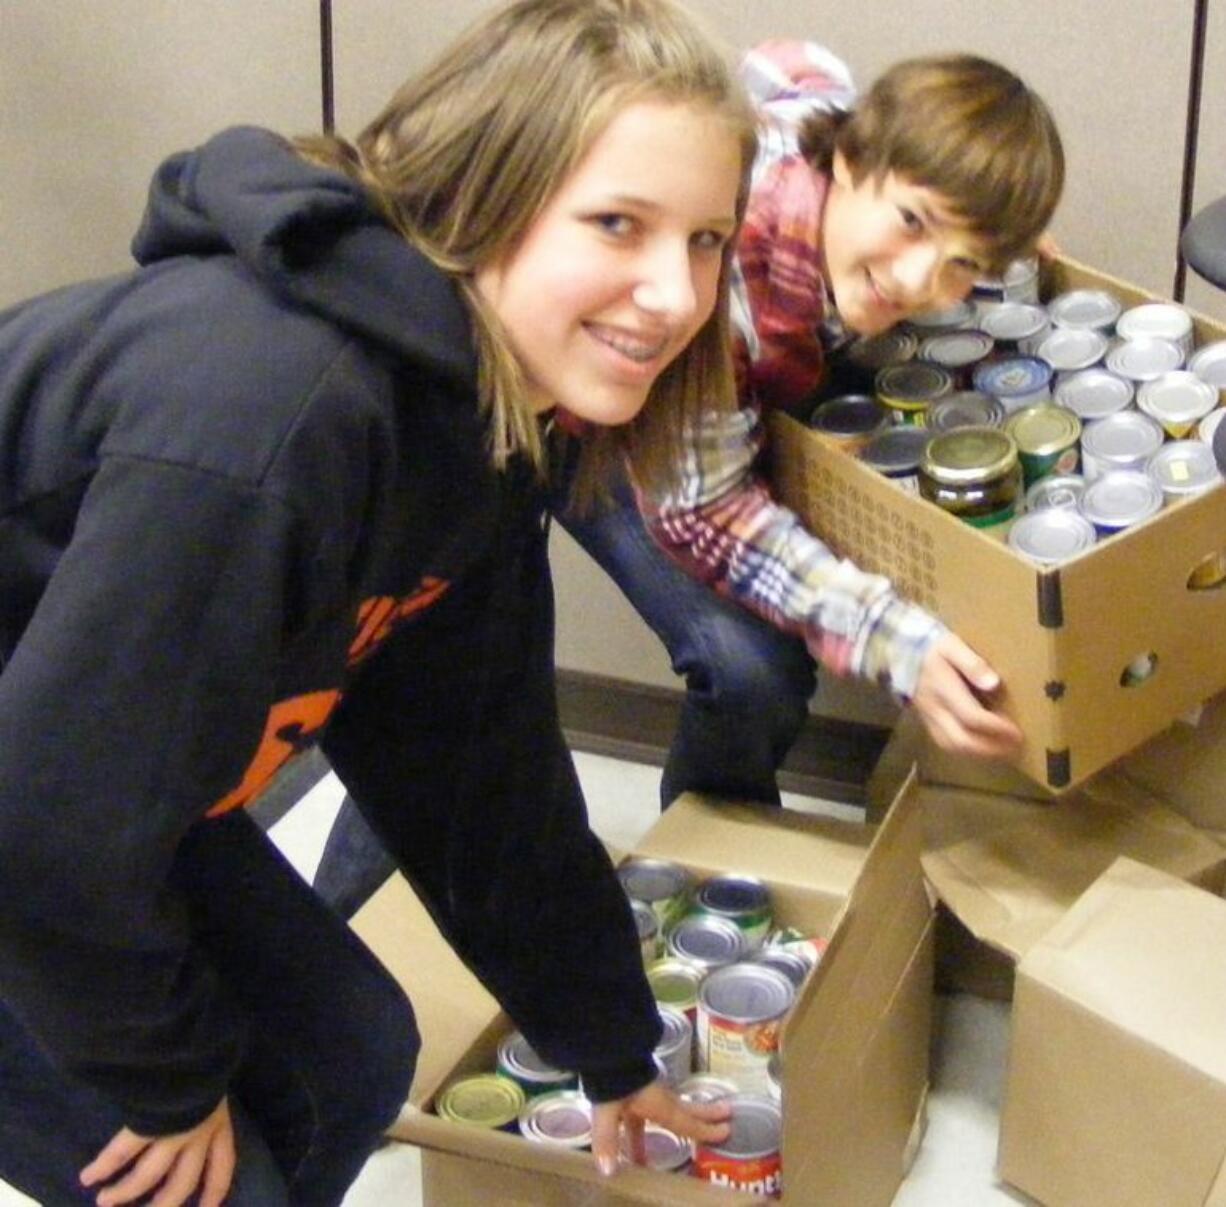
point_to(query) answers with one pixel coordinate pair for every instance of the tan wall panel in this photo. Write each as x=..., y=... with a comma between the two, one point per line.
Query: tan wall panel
x=1211, y=153
x=95, y=93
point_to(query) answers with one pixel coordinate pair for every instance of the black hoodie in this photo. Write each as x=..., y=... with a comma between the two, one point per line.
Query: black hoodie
x=245, y=504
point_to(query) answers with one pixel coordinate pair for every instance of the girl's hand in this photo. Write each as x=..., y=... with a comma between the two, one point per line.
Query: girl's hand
x=949, y=698
x=657, y=1103
x=177, y=1166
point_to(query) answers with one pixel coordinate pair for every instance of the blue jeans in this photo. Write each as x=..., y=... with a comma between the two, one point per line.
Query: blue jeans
x=747, y=689
x=331, y=1050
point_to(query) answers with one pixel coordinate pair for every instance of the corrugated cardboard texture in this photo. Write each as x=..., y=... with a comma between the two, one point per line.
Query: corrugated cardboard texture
x=1124, y=598
x=1116, y=1091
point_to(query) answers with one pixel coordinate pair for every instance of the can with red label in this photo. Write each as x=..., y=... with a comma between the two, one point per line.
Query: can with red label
x=740, y=1011
x=748, y=1160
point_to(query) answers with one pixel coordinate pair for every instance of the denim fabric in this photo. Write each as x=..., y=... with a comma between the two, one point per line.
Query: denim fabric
x=331, y=1052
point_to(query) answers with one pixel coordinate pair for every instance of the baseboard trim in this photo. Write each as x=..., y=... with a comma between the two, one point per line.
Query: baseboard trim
x=831, y=759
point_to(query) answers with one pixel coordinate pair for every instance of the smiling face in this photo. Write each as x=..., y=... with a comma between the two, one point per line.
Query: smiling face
x=622, y=267
x=894, y=249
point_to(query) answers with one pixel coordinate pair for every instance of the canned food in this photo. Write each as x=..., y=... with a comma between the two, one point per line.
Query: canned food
x=562, y=1119
x=960, y=314
x=792, y=964
x=896, y=454
x=1184, y=468
x=1144, y=359
x=966, y=408
x=973, y=473
x=1051, y=536
x=774, y=1077
x=892, y=347
x=675, y=983
x=744, y=900
x=740, y=1011
x=1094, y=393
x=1056, y=490
x=675, y=1051
x=956, y=350
x=1014, y=323
x=850, y=421
x=706, y=1087
x=648, y=927
x=1018, y=283
x=1178, y=400
x=663, y=1150
x=1165, y=320
x=518, y=1060
x=748, y=1160
x=483, y=1100
x=1095, y=309
x=1046, y=436
x=810, y=948
x=1120, y=499
x=1123, y=441
x=909, y=389
x=1209, y=364
x=1068, y=349
x=665, y=886
x=706, y=940
x=1018, y=381
x=1210, y=424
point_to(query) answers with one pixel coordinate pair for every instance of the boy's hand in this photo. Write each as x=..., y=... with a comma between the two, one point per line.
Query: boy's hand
x=177, y=1166
x=655, y=1102
x=953, y=683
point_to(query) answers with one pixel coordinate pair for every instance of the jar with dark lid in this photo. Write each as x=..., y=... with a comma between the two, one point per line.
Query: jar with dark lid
x=973, y=473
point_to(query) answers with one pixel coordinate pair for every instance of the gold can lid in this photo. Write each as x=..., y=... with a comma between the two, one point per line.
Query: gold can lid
x=912, y=385
x=483, y=1100
x=969, y=454
x=674, y=982
x=1044, y=428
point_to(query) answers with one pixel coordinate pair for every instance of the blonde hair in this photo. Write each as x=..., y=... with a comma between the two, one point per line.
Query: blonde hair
x=466, y=155
x=965, y=127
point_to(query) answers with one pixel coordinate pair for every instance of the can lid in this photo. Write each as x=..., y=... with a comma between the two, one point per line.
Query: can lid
x=1177, y=397
x=1126, y=435
x=1144, y=359
x=1121, y=497
x=484, y=1100
x=734, y=895
x=1209, y=363
x=674, y=982
x=897, y=450
x=1166, y=320
x=1084, y=308
x=706, y=1087
x=562, y=1117
x=969, y=454
x=664, y=1150
x=652, y=879
x=519, y=1056
x=1093, y=393
x=886, y=348
x=1012, y=321
x=707, y=938
x=914, y=384
x=1184, y=467
x=849, y=415
x=957, y=315
x=677, y=1029
x=645, y=920
x=756, y=1128
x=1013, y=377
x=747, y=993
x=1056, y=490
x=791, y=963
x=965, y=408
x=1051, y=536
x=1043, y=429
x=1070, y=348
x=956, y=349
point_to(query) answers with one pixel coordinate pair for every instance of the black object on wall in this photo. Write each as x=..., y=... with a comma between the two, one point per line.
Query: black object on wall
x=1196, y=72
x=325, y=66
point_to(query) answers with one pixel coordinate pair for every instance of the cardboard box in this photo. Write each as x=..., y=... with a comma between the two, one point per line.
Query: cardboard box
x=1062, y=637
x=855, y=1045
x=1116, y=1088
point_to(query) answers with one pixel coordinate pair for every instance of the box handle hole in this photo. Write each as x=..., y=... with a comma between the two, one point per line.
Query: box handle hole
x=1141, y=668
x=1209, y=574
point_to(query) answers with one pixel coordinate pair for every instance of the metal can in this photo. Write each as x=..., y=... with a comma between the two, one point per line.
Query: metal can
x=1051, y=536
x=1056, y=490
x=1178, y=400
x=1123, y=441
x=1012, y=324
x=748, y=1160
x=675, y=983
x=774, y=1077
x=562, y=1119
x=1046, y=436
x=706, y=1087
x=973, y=473
x=740, y=1011
x=665, y=886
x=518, y=1060
x=1209, y=364
x=1144, y=359
x=908, y=390
x=959, y=314
x=896, y=454
x=1120, y=499
x=675, y=1051
x=1018, y=283
x=483, y=1100
x=792, y=964
x=1095, y=309
x=849, y=422
x=1018, y=381
x=966, y=408
x=1210, y=424
x=1068, y=349
x=957, y=351
x=663, y=1150
x=1165, y=320
x=744, y=900
x=706, y=940
x=648, y=927
x=1094, y=393
x=1184, y=468
x=892, y=347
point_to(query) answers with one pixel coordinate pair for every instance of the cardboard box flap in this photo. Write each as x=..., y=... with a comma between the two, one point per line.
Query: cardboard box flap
x=1008, y=869
x=1132, y=935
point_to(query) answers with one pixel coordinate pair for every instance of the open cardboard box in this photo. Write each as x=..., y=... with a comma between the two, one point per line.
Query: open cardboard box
x=855, y=1046
x=1116, y=1088
x=1061, y=637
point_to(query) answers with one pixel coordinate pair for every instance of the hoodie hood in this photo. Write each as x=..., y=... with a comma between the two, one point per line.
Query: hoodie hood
x=312, y=237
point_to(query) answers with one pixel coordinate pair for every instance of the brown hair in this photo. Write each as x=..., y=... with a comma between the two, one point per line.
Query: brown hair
x=965, y=127
x=466, y=155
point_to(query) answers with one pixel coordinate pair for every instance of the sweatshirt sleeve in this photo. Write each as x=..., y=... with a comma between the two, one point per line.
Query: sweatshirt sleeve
x=133, y=699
